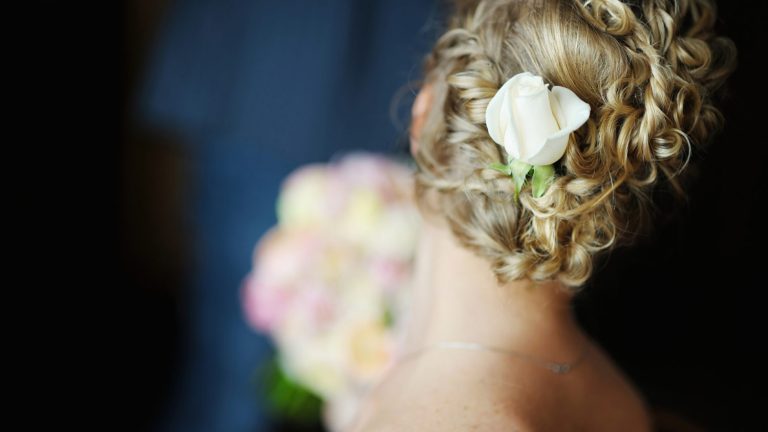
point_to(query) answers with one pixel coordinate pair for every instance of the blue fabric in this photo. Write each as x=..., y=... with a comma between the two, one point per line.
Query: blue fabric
x=255, y=89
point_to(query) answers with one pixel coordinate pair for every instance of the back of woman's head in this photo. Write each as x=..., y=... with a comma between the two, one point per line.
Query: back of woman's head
x=648, y=69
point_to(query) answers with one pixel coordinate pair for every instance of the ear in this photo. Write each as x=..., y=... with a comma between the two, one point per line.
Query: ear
x=419, y=112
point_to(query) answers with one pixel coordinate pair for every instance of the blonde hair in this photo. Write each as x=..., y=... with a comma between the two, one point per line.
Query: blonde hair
x=649, y=72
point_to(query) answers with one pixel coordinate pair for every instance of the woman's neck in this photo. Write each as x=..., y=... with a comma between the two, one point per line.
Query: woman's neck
x=456, y=297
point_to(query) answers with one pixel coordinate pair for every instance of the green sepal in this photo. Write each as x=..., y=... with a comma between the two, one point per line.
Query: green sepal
x=543, y=175
x=501, y=168
x=519, y=171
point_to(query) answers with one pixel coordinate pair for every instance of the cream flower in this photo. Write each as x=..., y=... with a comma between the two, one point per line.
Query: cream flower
x=531, y=122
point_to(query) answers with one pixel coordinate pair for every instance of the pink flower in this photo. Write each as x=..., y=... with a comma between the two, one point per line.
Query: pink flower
x=389, y=273
x=281, y=257
x=388, y=178
x=318, y=303
x=321, y=279
x=263, y=305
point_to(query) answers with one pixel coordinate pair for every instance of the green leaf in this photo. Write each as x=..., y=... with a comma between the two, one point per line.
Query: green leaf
x=543, y=175
x=500, y=167
x=519, y=172
x=389, y=317
x=286, y=398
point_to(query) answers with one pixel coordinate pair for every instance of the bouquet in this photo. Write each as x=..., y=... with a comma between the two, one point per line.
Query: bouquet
x=330, y=283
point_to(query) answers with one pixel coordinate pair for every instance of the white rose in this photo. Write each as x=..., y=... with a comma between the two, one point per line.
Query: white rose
x=531, y=122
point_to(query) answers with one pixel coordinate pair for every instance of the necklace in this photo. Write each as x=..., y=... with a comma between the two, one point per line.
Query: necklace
x=556, y=367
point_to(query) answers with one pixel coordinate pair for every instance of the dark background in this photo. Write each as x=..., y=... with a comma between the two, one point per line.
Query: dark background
x=682, y=313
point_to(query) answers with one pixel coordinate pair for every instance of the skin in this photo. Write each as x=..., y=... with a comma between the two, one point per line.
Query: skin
x=461, y=390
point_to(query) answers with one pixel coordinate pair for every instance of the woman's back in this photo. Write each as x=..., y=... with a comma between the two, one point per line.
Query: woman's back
x=462, y=391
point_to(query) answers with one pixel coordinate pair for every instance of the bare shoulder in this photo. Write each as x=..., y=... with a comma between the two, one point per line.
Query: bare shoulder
x=631, y=409
x=437, y=394
x=441, y=407
x=464, y=394
x=599, y=397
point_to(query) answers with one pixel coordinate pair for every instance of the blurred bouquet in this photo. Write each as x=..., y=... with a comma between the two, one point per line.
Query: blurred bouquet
x=330, y=282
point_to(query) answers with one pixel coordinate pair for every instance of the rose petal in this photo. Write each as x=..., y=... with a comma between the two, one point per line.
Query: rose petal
x=556, y=111
x=575, y=110
x=550, y=152
x=511, y=144
x=505, y=121
x=534, y=120
x=529, y=84
x=575, y=113
x=492, y=119
x=495, y=119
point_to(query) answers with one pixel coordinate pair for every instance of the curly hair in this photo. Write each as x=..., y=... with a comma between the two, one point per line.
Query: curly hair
x=649, y=69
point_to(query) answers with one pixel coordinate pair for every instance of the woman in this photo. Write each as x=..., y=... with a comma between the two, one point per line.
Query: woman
x=511, y=236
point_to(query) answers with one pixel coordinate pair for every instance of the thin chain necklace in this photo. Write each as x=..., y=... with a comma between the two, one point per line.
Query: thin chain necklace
x=556, y=367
